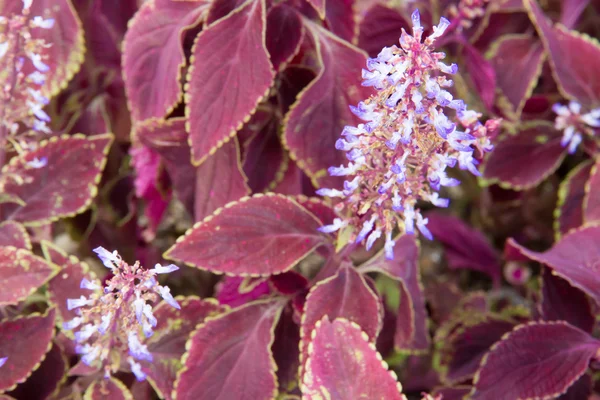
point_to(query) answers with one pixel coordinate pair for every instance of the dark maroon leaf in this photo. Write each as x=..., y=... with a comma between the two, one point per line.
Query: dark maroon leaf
x=317, y=118
x=462, y=351
x=221, y=8
x=285, y=32
x=582, y=389
x=290, y=83
x=570, y=12
x=340, y=19
x=525, y=159
x=257, y=236
x=464, y=246
x=343, y=364
x=536, y=360
x=571, y=194
x=318, y=208
x=574, y=57
x=575, y=258
x=286, y=350
x=14, y=234
x=21, y=273
x=411, y=327
x=591, y=201
x=235, y=291
x=153, y=57
x=344, y=295
x=481, y=73
x=380, y=27
x=172, y=331
x=25, y=341
x=288, y=283
x=562, y=302
x=230, y=73
x=45, y=379
x=453, y=393
x=318, y=5
x=230, y=356
x=64, y=187
x=517, y=61
x=111, y=388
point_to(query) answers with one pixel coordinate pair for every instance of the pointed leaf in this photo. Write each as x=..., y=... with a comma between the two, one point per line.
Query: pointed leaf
x=344, y=295
x=340, y=18
x=570, y=12
x=462, y=351
x=562, y=302
x=66, y=49
x=285, y=33
x=481, y=73
x=21, y=273
x=14, y=234
x=64, y=187
x=235, y=291
x=517, y=60
x=317, y=118
x=411, y=325
x=153, y=57
x=230, y=73
x=230, y=356
x=525, y=159
x=319, y=6
x=575, y=258
x=171, y=333
x=258, y=236
x=343, y=364
x=464, y=246
x=25, y=341
x=574, y=57
x=591, y=201
x=571, y=194
x=110, y=388
x=536, y=360
x=380, y=27
x=318, y=208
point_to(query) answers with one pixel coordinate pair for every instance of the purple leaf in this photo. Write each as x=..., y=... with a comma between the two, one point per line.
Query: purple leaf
x=230, y=73
x=14, y=234
x=591, y=201
x=235, y=291
x=571, y=11
x=525, y=159
x=536, y=360
x=571, y=193
x=153, y=57
x=340, y=18
x=482, y=74
x=285, y=33
x=464, y=246
x=258, y=236
x=110, y=388
x=380, y=27
x=343, y=364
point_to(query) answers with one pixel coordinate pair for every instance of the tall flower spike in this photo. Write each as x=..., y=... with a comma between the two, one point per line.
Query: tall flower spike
x=110, y=318
x=400, y=153
x=574, y=124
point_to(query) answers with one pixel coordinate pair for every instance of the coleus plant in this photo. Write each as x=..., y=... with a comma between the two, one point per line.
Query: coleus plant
x=278, y=163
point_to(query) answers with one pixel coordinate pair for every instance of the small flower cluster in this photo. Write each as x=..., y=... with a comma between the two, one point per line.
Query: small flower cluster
x=574, y=124
x=3, y=361
x=466, y=11
x=400, y=153
x=109, y=320
x=22, y=60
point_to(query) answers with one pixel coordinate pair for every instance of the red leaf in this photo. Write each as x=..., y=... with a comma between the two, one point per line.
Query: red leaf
x=66, y=284
x=286, y=351
x=64, y=187
x=343, y=364
x=25, y=341
x=575, y=258
x=21, y=273
x=221, y=8
x=45, y=379
x=536, y=360
x=574, y=57
x=221, y=170
x=411, y=324
x=230, y=73
x=570, y=12
x=317, y=118
x=318, y=208
x=462, y=351
x=344, y=295
x=380, y=27
x=482, y=74
x=582, y=389
x=14, y=234
x=340, y=18
x=562, y=302
x=153, y=57
x=525, y=159
x=319, y=6
x=172, y=331
x=571, y=193
x=257, y=236
x=285, y=33
x=517, y=61
x=111, y=388
x=65, y=53
x=591, y=201
x=230, y=356
x=464, y=246
x=235, y=291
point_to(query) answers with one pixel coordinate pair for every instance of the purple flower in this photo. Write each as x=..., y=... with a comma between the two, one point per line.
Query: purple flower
x=3, y=361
